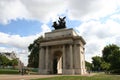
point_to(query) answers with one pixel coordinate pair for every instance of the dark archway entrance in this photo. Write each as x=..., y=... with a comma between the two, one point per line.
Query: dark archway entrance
x=55, y=66
x=56, y=62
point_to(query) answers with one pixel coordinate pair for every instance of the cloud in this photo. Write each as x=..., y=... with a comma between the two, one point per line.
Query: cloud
x=19, y=44
x=43, y=11
x=45, y=28
x=13, y=49
x=99, y=29
x=91, y=9
x=117, y=40
x=11, y=10
x=98, y=35
x=46, y=10
x=16, y=40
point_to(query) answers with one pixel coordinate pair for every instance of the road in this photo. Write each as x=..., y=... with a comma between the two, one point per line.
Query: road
x=24, y=77
x=28, y=77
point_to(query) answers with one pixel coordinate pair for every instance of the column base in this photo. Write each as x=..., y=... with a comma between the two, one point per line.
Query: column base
x=60, y=71
x=80, y=71
x=83, y=71
x=44, y=72
x=68, y=71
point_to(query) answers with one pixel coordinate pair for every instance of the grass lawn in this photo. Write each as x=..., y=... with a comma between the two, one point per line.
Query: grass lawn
x=95, y=77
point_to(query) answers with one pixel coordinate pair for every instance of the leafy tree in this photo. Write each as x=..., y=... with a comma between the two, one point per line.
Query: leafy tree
x=111, y=57
x=105, y=66
x=115, y=59
x=108, y=50
x=4, y=61
x=97, y=63
x=33, y=60
x=14, y=62
x=88, y=66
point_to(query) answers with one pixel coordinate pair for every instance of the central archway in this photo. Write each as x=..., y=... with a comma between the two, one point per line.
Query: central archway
x=57, y=62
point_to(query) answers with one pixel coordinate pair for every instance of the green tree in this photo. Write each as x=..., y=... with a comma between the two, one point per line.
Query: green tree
x=97, y=60
x=105, y=66
x=108, y=50
x=33, y=58
x=115, y=59
x=111, y=56
x=88, y=66
x=4, y=61
x=14, y=62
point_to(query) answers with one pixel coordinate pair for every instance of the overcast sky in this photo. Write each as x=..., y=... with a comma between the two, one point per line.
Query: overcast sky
x=22, y=21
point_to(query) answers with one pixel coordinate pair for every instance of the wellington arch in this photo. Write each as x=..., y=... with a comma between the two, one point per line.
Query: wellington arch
x=62, y=52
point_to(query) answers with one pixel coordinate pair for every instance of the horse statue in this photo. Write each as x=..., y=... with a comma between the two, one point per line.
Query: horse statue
x=61, y=23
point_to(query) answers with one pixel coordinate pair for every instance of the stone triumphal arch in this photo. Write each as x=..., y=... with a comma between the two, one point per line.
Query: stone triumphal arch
x=62, y=52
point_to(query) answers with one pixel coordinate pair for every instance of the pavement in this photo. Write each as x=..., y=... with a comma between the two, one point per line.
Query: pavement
x=28, y=77
x=24, y=77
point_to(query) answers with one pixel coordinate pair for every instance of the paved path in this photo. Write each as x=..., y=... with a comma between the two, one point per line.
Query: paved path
x=24, y=77
x=28, y=77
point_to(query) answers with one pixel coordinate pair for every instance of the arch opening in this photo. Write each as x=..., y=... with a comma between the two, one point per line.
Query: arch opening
x=57, y=62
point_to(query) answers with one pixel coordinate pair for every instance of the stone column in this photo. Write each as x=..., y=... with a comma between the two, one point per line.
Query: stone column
x=59, y=63
x=41, y=58
x=75, y=56
x=71, y=57
x=84, y=60
x=81, y=58
x=60, y=66
x=46, y=58
x=64, y=60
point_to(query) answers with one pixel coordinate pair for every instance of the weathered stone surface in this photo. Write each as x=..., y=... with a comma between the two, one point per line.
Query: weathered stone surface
x=62, y=52
x=60, y=33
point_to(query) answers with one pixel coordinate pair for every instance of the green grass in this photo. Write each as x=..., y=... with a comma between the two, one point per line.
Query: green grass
x=95, y=77
x=9, y=71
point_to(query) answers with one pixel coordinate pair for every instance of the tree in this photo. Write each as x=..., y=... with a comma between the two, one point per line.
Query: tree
x=111, y=56
x=88, y=66
x=4, y=61
x=97, y=63
x=108, y=50
x=33, y=58
x=105, y=66
x=14, y=62
x=115, y=59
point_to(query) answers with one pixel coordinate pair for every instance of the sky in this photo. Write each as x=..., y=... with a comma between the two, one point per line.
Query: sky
x=23, y=21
